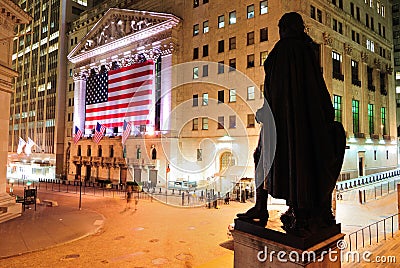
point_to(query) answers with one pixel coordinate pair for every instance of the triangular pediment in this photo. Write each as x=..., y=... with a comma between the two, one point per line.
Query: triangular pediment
x=121, y=25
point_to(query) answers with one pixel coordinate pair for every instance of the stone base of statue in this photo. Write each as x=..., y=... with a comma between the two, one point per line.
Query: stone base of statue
x=9, y=209
x=257, y=246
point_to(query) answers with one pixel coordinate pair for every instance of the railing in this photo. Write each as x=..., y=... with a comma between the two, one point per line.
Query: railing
x=376, y=231
x=377, y=191
x=176, y=197
x=366, y=180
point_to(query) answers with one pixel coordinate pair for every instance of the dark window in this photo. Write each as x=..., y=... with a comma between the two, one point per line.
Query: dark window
x=220, y=122
x=312, y=12
x=263, y=34
x=99, y=151
x=371, y=87
x=367, y=20
x=232, y=65
x=205, y=70
x=221, y=67
x=221, y=46
x=195, y=53
x=336, y=66
x=250, y=61
x=195, y=100
x=358, y=13
x=205, y=1
x=372, y=24
x=382, y=77
x=205, y=50
x=111, y=151
x=221, y=95
x=89, y=150
x=319, y=15
x=232, y=43
x=352, y=9
x=250, y=38
x=354, y=73
x=196, y=3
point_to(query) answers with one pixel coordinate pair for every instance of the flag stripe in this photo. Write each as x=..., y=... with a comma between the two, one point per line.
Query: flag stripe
x=113, y=115
x=120, y=124
x=130, y=76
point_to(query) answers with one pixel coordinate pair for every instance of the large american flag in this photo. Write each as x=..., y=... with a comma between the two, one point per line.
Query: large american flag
x=125, y=93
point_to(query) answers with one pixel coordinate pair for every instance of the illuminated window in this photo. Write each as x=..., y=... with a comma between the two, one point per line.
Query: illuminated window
x=337, y=105
x=250, y=11
x=232, y=17
x=204, y=123
x=221, y=21
x=263, y=7
x=251, y=93
x=232, y=95
x=195, y=72
x=195, y=124
x=205, y=27
x=195, y=29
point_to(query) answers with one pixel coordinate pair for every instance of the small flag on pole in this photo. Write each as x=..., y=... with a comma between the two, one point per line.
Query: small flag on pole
x=127, y=131
x=29, y=145
x=99, y=132
x=78, y=135
x=21, y=144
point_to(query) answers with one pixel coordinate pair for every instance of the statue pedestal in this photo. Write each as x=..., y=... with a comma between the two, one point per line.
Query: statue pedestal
x=8, y=208
x=257, y=247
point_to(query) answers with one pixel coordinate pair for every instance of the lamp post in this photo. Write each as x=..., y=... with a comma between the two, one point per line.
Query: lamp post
x=80, y=192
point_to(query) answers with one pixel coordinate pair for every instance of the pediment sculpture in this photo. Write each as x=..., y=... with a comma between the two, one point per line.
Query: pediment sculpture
x=118, y=27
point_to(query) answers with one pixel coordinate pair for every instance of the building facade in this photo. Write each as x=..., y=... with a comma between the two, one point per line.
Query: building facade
x=38, y=102
x=11, y=15
x=209, y=77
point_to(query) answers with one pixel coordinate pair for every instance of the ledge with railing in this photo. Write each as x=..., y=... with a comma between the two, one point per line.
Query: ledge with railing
x=374, y=233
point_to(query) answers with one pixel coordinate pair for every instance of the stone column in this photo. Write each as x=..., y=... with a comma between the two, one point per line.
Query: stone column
x=79, y=101
x=166, y=94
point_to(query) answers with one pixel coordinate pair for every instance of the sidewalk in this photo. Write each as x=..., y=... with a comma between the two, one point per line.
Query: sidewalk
x=46, y=227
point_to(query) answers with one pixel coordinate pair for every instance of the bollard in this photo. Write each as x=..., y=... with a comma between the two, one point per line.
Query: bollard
x=183, y=198
x=360, y=196
x=365, y=200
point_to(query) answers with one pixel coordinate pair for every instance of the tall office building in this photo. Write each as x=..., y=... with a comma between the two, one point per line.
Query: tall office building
x=38, y=102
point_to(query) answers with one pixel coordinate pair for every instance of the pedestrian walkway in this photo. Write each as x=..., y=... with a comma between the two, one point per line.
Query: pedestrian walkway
x=46, y=227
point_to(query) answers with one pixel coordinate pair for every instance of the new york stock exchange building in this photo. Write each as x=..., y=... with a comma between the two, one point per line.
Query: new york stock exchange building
x=126, y=72
x=185, y=80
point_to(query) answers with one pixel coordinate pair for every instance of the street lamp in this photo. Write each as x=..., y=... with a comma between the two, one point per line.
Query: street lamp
x=80, y=192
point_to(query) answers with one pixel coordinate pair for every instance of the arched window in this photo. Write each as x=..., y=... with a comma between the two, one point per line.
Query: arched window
x=154, y=154
x=226, y=161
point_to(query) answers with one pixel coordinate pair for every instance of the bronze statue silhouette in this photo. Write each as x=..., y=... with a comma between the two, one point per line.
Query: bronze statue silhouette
x=310, y=145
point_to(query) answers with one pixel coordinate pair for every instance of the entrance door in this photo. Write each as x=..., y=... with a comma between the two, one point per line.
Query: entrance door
x=361, y=163
x=122, y=175
x=137, y=174
x=153, y=177
x=88, y=173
